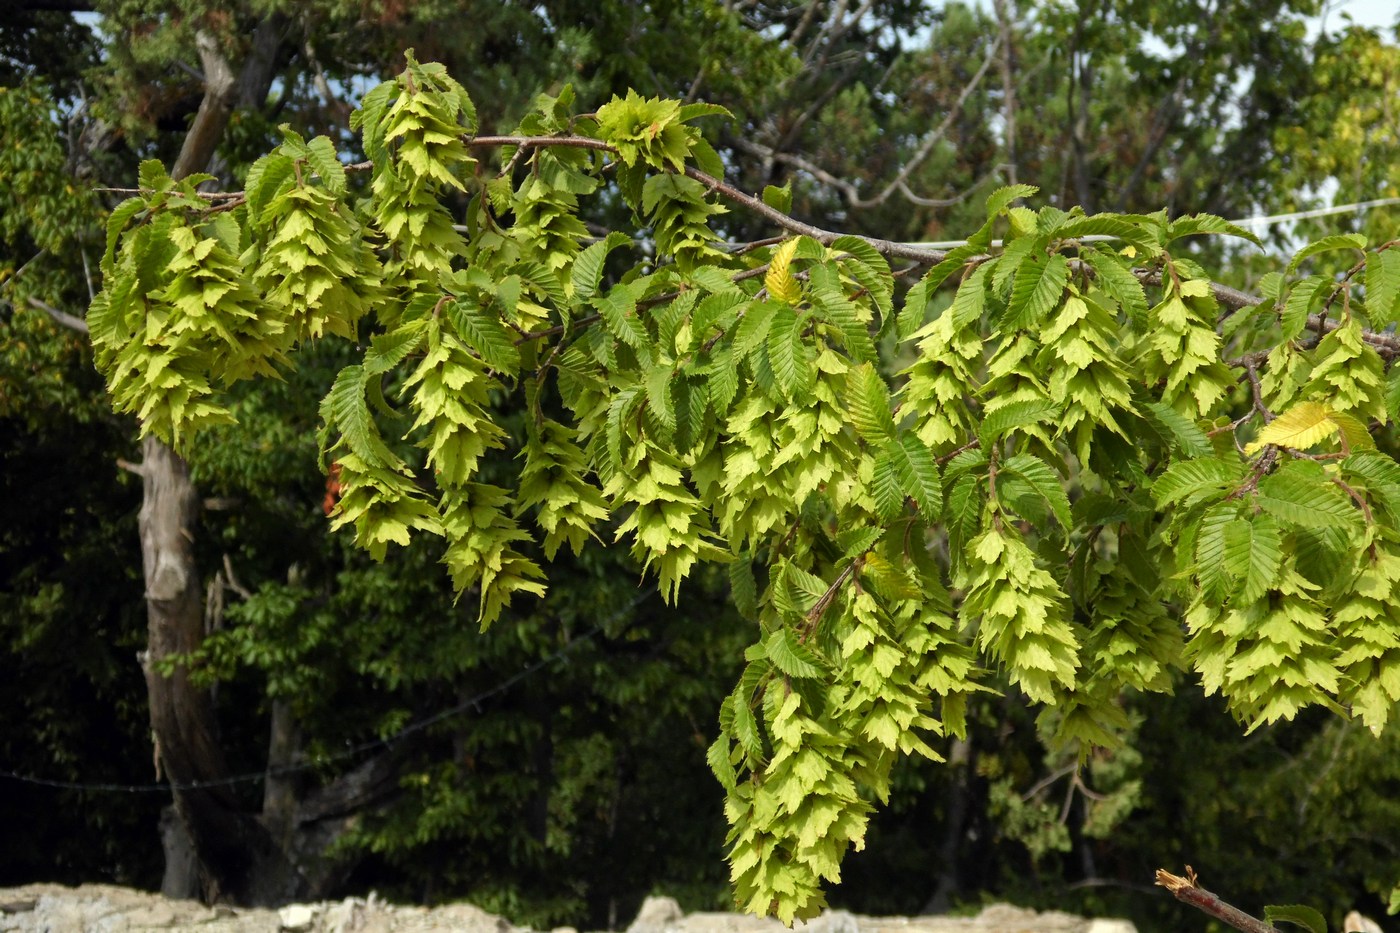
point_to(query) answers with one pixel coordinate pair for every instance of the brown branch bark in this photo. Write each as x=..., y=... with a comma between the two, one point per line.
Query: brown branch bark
x=1188, y=892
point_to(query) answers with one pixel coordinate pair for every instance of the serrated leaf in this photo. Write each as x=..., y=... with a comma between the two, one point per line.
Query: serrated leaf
x=779, y=281
x=1383, y=287
x=717, y=757
x=265, y=179
x=885, y=487
x=1300, y=301
x=1037, y=289
x=1112, y=226
x=1047, y=484
x=788, y=354
x=746, y=724
x=752, y=330
x=1188, y=437
x=1118, y=283
x=971, y=298
x=1210, y=549
x=791, y=656
x=1300, y=494
x=659, y=397
x=1265, y=558
x=856, y=541
x=743, y=587
x=868, y=267
x=587, y=271
x=1326, y=244
x=1300, y=427
x=918, y=474
x=618, y=307
x=964, y=512
x=1000, y=198
x=484, y=333
x=1304, y=916
x=1008, y=418
x=348, y=410
x=1188, y=482
x=780, y=199
x=1208, y=223
x=321, y=156
x=868, y=403
x=389, y=350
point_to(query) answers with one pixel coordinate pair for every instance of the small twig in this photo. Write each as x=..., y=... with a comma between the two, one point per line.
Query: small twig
x=1188, y=892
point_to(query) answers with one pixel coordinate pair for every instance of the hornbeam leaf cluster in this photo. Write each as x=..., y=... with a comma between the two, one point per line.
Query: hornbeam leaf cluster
x=1062, y=466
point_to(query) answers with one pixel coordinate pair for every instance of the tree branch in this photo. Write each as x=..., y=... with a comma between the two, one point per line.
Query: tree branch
x=899, y=184
x=62, y=317
x=1188, y=892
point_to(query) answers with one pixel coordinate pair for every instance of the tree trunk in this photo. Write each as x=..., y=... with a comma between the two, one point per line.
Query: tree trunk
x=215, y=847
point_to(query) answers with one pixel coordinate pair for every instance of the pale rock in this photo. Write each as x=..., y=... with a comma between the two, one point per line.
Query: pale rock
x=296, y=917
x=657, y=915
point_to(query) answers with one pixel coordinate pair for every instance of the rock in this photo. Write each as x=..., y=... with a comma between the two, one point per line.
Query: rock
x=51, y=908
x=297, y=917
x=657, y=915
x=1101, y=925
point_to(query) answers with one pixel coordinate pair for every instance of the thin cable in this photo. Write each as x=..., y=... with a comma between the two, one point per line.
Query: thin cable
x=1269, y=221
x=354, y=750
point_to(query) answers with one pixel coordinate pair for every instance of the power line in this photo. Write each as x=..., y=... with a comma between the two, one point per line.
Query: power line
x=1269, y=221
x=350, y=752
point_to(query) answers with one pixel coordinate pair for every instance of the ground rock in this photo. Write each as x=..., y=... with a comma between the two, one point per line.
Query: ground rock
x=51, y=908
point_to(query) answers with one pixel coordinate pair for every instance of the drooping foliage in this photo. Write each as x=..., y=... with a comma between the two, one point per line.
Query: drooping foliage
x=1088, y=438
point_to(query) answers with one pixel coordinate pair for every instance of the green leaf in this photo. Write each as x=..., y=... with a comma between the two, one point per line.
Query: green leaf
x=618, y=307
x=998, y=200
x=659, y=397
x=389, y=350
x=1188, y=482
x=1038, y=287
x=1187, y=436
x=347, y=409
x=1113, y=226
x=791, y=656
x=1326, y=244
x=743, y=587
x=746, y=725
x=321, y=156
x=1265, y=558
x=780, y=199
x=788, y=354
x=1305, y=917
x=1046, y=482
x=971, y=298
x=1300, y=494
x=1301, y=298
x=1211, y=570
x=868, y=403
x=918, y=474
x=1006, y=419
x=1383, y=287
x=717, y=757
x=1118, y=282
x=885, y=487
x=1208, y=223
x=484, y=333
x=587, y=271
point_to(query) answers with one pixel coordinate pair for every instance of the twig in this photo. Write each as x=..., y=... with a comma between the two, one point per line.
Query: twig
x=1188, y=892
